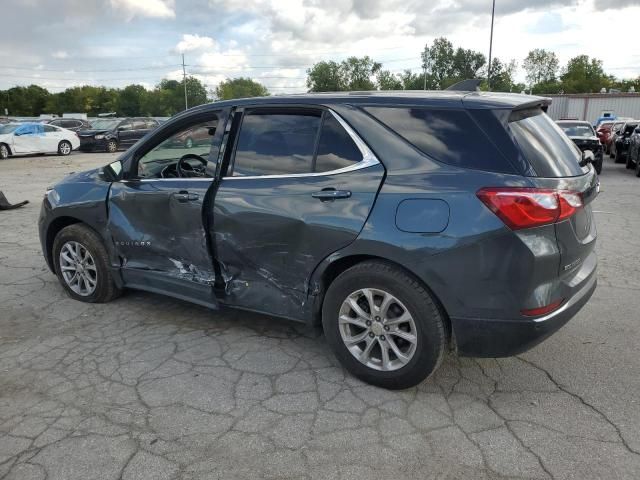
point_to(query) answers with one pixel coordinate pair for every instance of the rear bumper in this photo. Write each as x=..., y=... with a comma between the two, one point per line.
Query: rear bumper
x=504, y=338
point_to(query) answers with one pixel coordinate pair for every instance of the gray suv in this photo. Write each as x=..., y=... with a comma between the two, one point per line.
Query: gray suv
x=402, y=223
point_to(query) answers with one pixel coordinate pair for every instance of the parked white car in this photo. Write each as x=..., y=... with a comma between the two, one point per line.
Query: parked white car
x=25, y=138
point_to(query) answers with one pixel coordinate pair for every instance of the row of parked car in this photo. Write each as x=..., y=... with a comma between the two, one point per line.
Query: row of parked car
x=63, y=135
x=621, y=141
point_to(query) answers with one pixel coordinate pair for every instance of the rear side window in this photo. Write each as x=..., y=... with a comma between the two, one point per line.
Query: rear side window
x=336, y=149
x=544, y=146
x=449, y=136
x=276, y=144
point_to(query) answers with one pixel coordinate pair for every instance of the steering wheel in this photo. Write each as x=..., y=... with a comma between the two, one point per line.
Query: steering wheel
x=186, y=170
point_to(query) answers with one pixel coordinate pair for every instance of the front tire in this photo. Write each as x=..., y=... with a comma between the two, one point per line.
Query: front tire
x=64, y=148
x=82, y=265
x=383, y=325
x=4, y=151
x=112, y=146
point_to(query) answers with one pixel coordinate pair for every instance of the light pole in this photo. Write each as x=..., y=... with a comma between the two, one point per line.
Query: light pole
x=493, y=15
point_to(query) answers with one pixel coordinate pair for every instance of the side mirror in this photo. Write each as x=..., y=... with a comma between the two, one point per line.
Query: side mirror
x=588, y=157
x=111, y=172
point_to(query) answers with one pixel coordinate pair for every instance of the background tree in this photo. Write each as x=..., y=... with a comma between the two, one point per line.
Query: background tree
x=385, y=80
x=240, y=88
x=468, y=64
x=357, y=73
x=501, y=77
x=584, y=75
x=437, y=61
x=325, y=77
x=541, y=67
x=412, y=81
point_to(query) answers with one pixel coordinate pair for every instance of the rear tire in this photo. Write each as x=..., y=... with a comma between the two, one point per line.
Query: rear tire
x=419, y=341
x=638, y=166
x=629, y=164
x=4, y=151
x=618, y=157
x=64, y=148
x=100, y=288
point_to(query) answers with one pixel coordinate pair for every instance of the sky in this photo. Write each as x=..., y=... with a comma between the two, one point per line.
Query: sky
x=63, y=43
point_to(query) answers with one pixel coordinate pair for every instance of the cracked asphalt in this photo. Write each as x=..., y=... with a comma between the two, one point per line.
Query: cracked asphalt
x=153, y=388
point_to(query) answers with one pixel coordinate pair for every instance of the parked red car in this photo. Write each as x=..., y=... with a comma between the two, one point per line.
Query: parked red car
x=609, y=139
x=603, y=131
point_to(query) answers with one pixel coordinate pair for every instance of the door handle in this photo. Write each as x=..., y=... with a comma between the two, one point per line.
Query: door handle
x=327, y=194
x=184, y=196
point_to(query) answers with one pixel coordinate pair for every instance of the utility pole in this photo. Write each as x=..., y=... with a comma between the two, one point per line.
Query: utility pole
x=425, y=78
x=184, y=82
x=493, y=15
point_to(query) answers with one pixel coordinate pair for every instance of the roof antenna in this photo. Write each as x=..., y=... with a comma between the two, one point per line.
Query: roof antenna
x=471, y=85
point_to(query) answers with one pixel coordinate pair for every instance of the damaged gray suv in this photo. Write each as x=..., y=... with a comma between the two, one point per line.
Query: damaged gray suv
x=403, y=223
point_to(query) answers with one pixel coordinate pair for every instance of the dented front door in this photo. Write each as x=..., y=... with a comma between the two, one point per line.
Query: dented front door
x=157, y=229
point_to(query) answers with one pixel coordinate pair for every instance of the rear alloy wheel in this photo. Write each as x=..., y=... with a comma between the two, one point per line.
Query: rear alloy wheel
x=112, y=146
x=383, y=326
x=64, y=148
x=4, y=152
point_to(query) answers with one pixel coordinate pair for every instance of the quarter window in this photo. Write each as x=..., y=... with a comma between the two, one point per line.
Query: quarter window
x=276, y=144
x=450, y=136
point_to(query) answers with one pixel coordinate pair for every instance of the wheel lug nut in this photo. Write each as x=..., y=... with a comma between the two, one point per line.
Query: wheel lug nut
x=368, y=323
x=386, y=328
x=382, y=337
x=377, y=319
x=371, y=334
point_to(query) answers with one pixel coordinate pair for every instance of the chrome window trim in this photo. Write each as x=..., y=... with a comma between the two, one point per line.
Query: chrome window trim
x=368, y=158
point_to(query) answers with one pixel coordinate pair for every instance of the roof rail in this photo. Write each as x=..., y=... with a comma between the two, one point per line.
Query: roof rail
x=470, y=85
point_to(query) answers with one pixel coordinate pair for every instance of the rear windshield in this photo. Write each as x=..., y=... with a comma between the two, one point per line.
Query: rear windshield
x=541, y=141
x=577, y=129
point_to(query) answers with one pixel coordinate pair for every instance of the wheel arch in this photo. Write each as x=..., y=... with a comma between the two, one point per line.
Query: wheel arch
x=8, y=147
x=333, y=269
x=54, y=228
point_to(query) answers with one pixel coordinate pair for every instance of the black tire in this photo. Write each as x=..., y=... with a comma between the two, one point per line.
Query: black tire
x=112, y=146
x=64, y=148
x=629, y=163
x=4, y=151
x=638, y=165
x=618, y=157
x=106, y=289
x=598, y=167
x=430, y=332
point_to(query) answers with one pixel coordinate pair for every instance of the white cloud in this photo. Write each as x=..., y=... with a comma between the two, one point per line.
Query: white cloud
x=145, y=8
x=190, y=43
x=60, y=54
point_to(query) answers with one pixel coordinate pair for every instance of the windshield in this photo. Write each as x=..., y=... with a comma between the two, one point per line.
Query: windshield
x=8, y=128
x=577, y=129
x=550, y=153
x=104, y=124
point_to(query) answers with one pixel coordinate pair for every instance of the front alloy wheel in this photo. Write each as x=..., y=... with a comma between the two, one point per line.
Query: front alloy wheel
x=64, y=148
x=4, y=152
x=378, y=329
x=78, y=268
x=112, y=146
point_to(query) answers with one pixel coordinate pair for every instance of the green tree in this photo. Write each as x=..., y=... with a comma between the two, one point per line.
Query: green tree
x=467, y=64
x=501, y=77
x=437, y=61
x=240, y=88
x=131, y=100
x=385, y=80
x=325, y=77
x=541, y=67
x=412, y=81
x=357, y=73
x=584, y=75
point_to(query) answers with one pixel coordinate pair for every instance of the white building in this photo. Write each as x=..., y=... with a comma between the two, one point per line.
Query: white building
x=591, y=106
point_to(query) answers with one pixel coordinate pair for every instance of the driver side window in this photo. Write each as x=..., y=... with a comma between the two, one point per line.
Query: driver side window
x=162, y=160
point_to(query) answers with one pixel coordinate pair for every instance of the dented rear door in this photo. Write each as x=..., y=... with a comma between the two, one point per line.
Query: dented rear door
x=290, y=197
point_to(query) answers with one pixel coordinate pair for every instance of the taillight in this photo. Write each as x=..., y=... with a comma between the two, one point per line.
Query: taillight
x=525, y=207
x=537, y=312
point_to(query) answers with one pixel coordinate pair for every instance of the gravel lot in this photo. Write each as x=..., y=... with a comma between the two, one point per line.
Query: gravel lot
x=153, y=388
